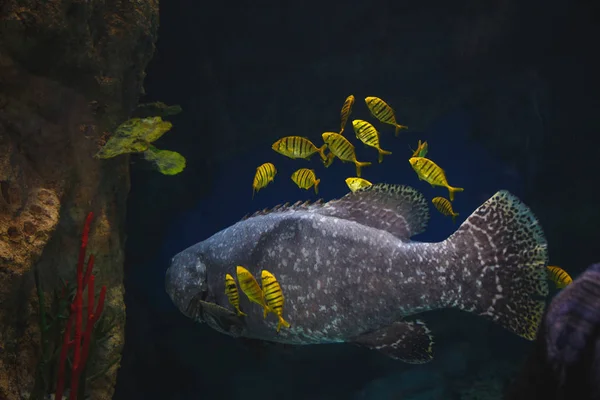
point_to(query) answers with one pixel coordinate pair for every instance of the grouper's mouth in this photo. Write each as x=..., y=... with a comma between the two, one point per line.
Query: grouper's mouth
x=186, y=280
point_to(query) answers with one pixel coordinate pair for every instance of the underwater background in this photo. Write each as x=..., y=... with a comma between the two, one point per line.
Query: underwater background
x=505, y=94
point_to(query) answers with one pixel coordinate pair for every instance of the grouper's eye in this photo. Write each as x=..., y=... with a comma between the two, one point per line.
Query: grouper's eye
x=186, y=278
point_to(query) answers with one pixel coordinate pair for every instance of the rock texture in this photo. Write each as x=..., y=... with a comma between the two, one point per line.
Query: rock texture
x=69, y=72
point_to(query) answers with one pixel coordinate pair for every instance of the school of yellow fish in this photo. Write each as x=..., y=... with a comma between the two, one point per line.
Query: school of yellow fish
x=340, y=147
x=269, y=296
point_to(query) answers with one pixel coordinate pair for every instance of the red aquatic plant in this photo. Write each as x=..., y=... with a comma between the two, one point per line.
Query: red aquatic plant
x=81, y=338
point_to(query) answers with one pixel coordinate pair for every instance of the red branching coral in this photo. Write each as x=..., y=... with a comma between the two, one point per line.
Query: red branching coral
x=81, y=340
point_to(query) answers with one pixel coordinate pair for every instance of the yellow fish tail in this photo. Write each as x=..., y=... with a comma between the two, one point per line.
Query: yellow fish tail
x=451, y=191
x=398, y=127
x=317, y=181
x=321, y=151
x=282, y=322
x=359, y=165
x=383, y=153
x=454, y=217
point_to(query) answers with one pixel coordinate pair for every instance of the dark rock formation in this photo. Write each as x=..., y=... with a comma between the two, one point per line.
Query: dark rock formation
x=69, y=72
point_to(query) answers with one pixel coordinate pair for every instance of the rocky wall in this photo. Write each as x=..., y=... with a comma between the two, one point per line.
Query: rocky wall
x=70, y=71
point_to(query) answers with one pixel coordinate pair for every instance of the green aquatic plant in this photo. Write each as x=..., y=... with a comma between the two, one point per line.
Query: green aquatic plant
x=166, y=161
x=136, y=135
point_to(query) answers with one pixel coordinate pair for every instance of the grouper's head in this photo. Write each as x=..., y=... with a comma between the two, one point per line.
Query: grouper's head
x=186, y=283
x=186, y=279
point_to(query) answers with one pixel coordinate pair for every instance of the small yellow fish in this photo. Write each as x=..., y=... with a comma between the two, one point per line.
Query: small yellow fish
x=274, y=297
x=298, y=147
x=343, y=149
x=383, y=112
x=231, y=291
x=251, y=289
x=357, y=183
x=367, y=134
x=445, y=207
x=346, y=111
x=431, y=173
x=421, y=150
x=559, y=276
x=264, y=175
x=305, y=178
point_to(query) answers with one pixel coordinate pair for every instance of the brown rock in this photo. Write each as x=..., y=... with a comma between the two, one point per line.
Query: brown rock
x=69, y=71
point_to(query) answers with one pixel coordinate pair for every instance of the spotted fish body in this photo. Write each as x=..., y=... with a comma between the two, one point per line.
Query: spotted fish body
x=351, y=273
x=563, y=363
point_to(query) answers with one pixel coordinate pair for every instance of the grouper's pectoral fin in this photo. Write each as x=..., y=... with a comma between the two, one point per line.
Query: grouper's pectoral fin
x=217, y=317
x=410, y=342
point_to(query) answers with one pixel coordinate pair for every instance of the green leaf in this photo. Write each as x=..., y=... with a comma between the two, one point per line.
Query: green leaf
x=134, y=136
x=167, y=162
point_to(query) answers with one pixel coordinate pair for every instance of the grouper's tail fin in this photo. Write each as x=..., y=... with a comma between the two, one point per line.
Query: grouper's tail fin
x=502, y=256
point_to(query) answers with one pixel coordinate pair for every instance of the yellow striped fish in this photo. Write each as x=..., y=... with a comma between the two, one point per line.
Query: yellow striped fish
x=298, y=147
x=421, y=151
x=343, y=149
x=251, y=289
x=305, y=178
x=367, y=134
x=274, y=297
x=264, y=175
x=346, y=111
x=231, y=291
x=445, y=207
x=431, y=173
x=383, y=112
x=559, y=276
x=355, y=184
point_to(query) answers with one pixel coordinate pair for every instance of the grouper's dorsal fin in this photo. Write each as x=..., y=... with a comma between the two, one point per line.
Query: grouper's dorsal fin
x=397, y=209
x=299, y=205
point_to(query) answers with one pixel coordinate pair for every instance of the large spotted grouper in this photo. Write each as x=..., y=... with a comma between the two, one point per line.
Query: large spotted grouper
x=350, y=273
